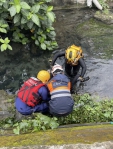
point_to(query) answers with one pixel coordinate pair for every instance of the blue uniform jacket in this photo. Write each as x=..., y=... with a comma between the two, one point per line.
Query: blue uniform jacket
x=24, y=109
x=61, y=77
x=61, y=104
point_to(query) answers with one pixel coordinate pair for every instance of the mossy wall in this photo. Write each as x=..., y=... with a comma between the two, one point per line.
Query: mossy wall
x=98, y=36
x=74, y=135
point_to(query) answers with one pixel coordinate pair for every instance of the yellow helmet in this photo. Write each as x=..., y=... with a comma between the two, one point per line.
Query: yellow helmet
x=43, y=76
x=73, y=53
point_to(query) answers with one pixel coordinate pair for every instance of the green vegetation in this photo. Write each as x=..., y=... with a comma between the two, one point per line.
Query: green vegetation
x=104, y=5
x=27, y=21
x=86, y=110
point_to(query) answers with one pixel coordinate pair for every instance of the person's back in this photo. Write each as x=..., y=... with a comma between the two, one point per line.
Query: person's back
x=61, y=103
x=33, y=95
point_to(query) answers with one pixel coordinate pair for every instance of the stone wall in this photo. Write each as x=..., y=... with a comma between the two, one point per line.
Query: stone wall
x=6, y=105
x=66, y=2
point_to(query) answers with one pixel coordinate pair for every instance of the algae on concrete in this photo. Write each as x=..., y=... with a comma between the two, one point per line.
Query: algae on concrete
x=74, y=135
x=98, y=35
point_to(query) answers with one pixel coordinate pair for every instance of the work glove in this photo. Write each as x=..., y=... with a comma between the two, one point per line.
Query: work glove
x=49, y=70
x=80, y=79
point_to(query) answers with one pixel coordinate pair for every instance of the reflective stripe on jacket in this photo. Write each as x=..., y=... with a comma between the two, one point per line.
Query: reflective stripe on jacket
x=61, y=102
x=59, y=86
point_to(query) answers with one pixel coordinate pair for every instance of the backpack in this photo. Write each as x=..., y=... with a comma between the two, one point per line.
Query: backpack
x=28, y=93
x=73, y=54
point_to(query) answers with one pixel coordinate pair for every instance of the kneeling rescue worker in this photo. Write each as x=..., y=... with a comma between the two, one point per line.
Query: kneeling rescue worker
x=73, y=62
x=33, y=96
x=61, y=103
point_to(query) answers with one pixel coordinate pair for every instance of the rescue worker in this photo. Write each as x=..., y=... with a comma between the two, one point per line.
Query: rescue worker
x=33, y=96
x=61, y=103
x=73, y=62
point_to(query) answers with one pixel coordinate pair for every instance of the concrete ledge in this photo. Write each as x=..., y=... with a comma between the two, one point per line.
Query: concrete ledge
x=62, y=137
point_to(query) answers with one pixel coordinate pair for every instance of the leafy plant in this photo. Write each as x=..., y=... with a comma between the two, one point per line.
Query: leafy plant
x=86, y=110
x=30, y=124
x=40, y=122
x=3, y=28
x=5, y=44
x=28, y=21
x=104, y=5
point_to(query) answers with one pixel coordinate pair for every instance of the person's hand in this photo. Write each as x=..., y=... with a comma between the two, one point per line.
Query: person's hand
x=80, y=79
x=49, y=70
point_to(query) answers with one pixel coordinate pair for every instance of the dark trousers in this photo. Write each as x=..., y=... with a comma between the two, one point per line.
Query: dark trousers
x=72, y=72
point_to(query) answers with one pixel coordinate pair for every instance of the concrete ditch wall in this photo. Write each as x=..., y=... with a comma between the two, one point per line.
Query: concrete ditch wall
x=67, y=2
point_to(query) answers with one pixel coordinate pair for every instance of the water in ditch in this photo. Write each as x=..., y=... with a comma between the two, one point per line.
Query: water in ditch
x=16, y=69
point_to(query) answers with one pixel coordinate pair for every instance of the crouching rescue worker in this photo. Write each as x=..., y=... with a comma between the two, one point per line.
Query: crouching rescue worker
x=33, y=95
x=73, y=62
x=61, y=103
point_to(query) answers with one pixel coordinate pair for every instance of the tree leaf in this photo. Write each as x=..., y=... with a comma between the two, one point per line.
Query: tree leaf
x=51, y=16
x=30, y=24
x=29, y=16
x=35, y=8
x=35, y=19
x=50, y=8
x=18, y=8
x=5, y=5
x=43, y=46
x=36, y=42
x=16, y=2
x=48, y=0
x=24, y=5
x=16, y=18
x=12, y=11
x=3, y=47
x=9, y=47
x=6, y=40
x=23, y=20
x=24, y=12
x=42, y=40
x=3, y=30
x=1, y=40
x=24, y=40
x=4, y=25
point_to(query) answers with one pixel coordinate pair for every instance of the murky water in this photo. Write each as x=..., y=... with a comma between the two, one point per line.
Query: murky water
x=18, y=67
x=101, y=80
x=99, y=70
